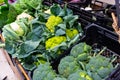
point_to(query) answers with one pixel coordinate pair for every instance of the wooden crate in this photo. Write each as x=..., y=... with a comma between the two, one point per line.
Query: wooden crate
x=8, y=71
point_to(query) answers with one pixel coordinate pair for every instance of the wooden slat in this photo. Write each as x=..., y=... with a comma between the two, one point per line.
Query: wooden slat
x=5, y=68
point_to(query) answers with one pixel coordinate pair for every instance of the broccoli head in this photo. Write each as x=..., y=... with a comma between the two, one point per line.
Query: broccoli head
x=79, y=49
x=44, y=72
x=67, y=66
x=79, y=75
x=60, y=78
x=99, y=65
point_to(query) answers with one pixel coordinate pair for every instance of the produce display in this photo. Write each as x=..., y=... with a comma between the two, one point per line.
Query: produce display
x=42, y=36
x=37, y=34
x=84, y=65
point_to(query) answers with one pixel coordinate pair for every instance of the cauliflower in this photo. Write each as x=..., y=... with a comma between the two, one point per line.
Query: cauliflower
x=54, y=41
x=47, y=11
x=67, y=66
x=24, y=15
x=52, y=22
x=17, y=28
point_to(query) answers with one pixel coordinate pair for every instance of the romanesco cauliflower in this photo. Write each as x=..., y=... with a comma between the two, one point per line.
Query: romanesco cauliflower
x=71, y=33
x=52, y=22
x=54, y=41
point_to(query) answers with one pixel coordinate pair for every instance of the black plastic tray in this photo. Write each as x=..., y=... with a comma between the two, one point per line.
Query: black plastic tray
x=97, y=34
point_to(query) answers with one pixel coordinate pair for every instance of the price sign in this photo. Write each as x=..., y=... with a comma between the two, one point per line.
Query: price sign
x=117, y=2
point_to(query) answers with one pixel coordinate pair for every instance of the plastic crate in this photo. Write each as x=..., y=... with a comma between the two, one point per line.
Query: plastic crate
x=97, y=34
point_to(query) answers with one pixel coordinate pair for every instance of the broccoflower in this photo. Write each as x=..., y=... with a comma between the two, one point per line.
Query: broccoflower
x=71, y=33
x=54, y=41
x=52, y=22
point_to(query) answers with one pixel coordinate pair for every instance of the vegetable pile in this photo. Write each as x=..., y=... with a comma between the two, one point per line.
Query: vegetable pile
x=37, y=34
x=41, y=36
x=84, y=65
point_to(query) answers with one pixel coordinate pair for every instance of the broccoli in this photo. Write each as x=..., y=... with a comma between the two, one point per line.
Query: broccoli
x=79, y=75
x=67, y=66
x=60, y=78
x=79, y=49
x=82, y=57
x=99, y=65
x=44, y=72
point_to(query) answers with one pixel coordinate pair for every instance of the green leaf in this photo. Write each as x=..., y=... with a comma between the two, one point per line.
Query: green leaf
x=10, y=47
x=31, y=36
x=55, y=9
x=62, y=26
x=71, y=19
x=62, y=13
x=38, y=29
x=29, y=66
x=59, y=32
x=12, y=14
x=30, y=45
x=69, y=12
x=34, y=3
x=3, y=15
